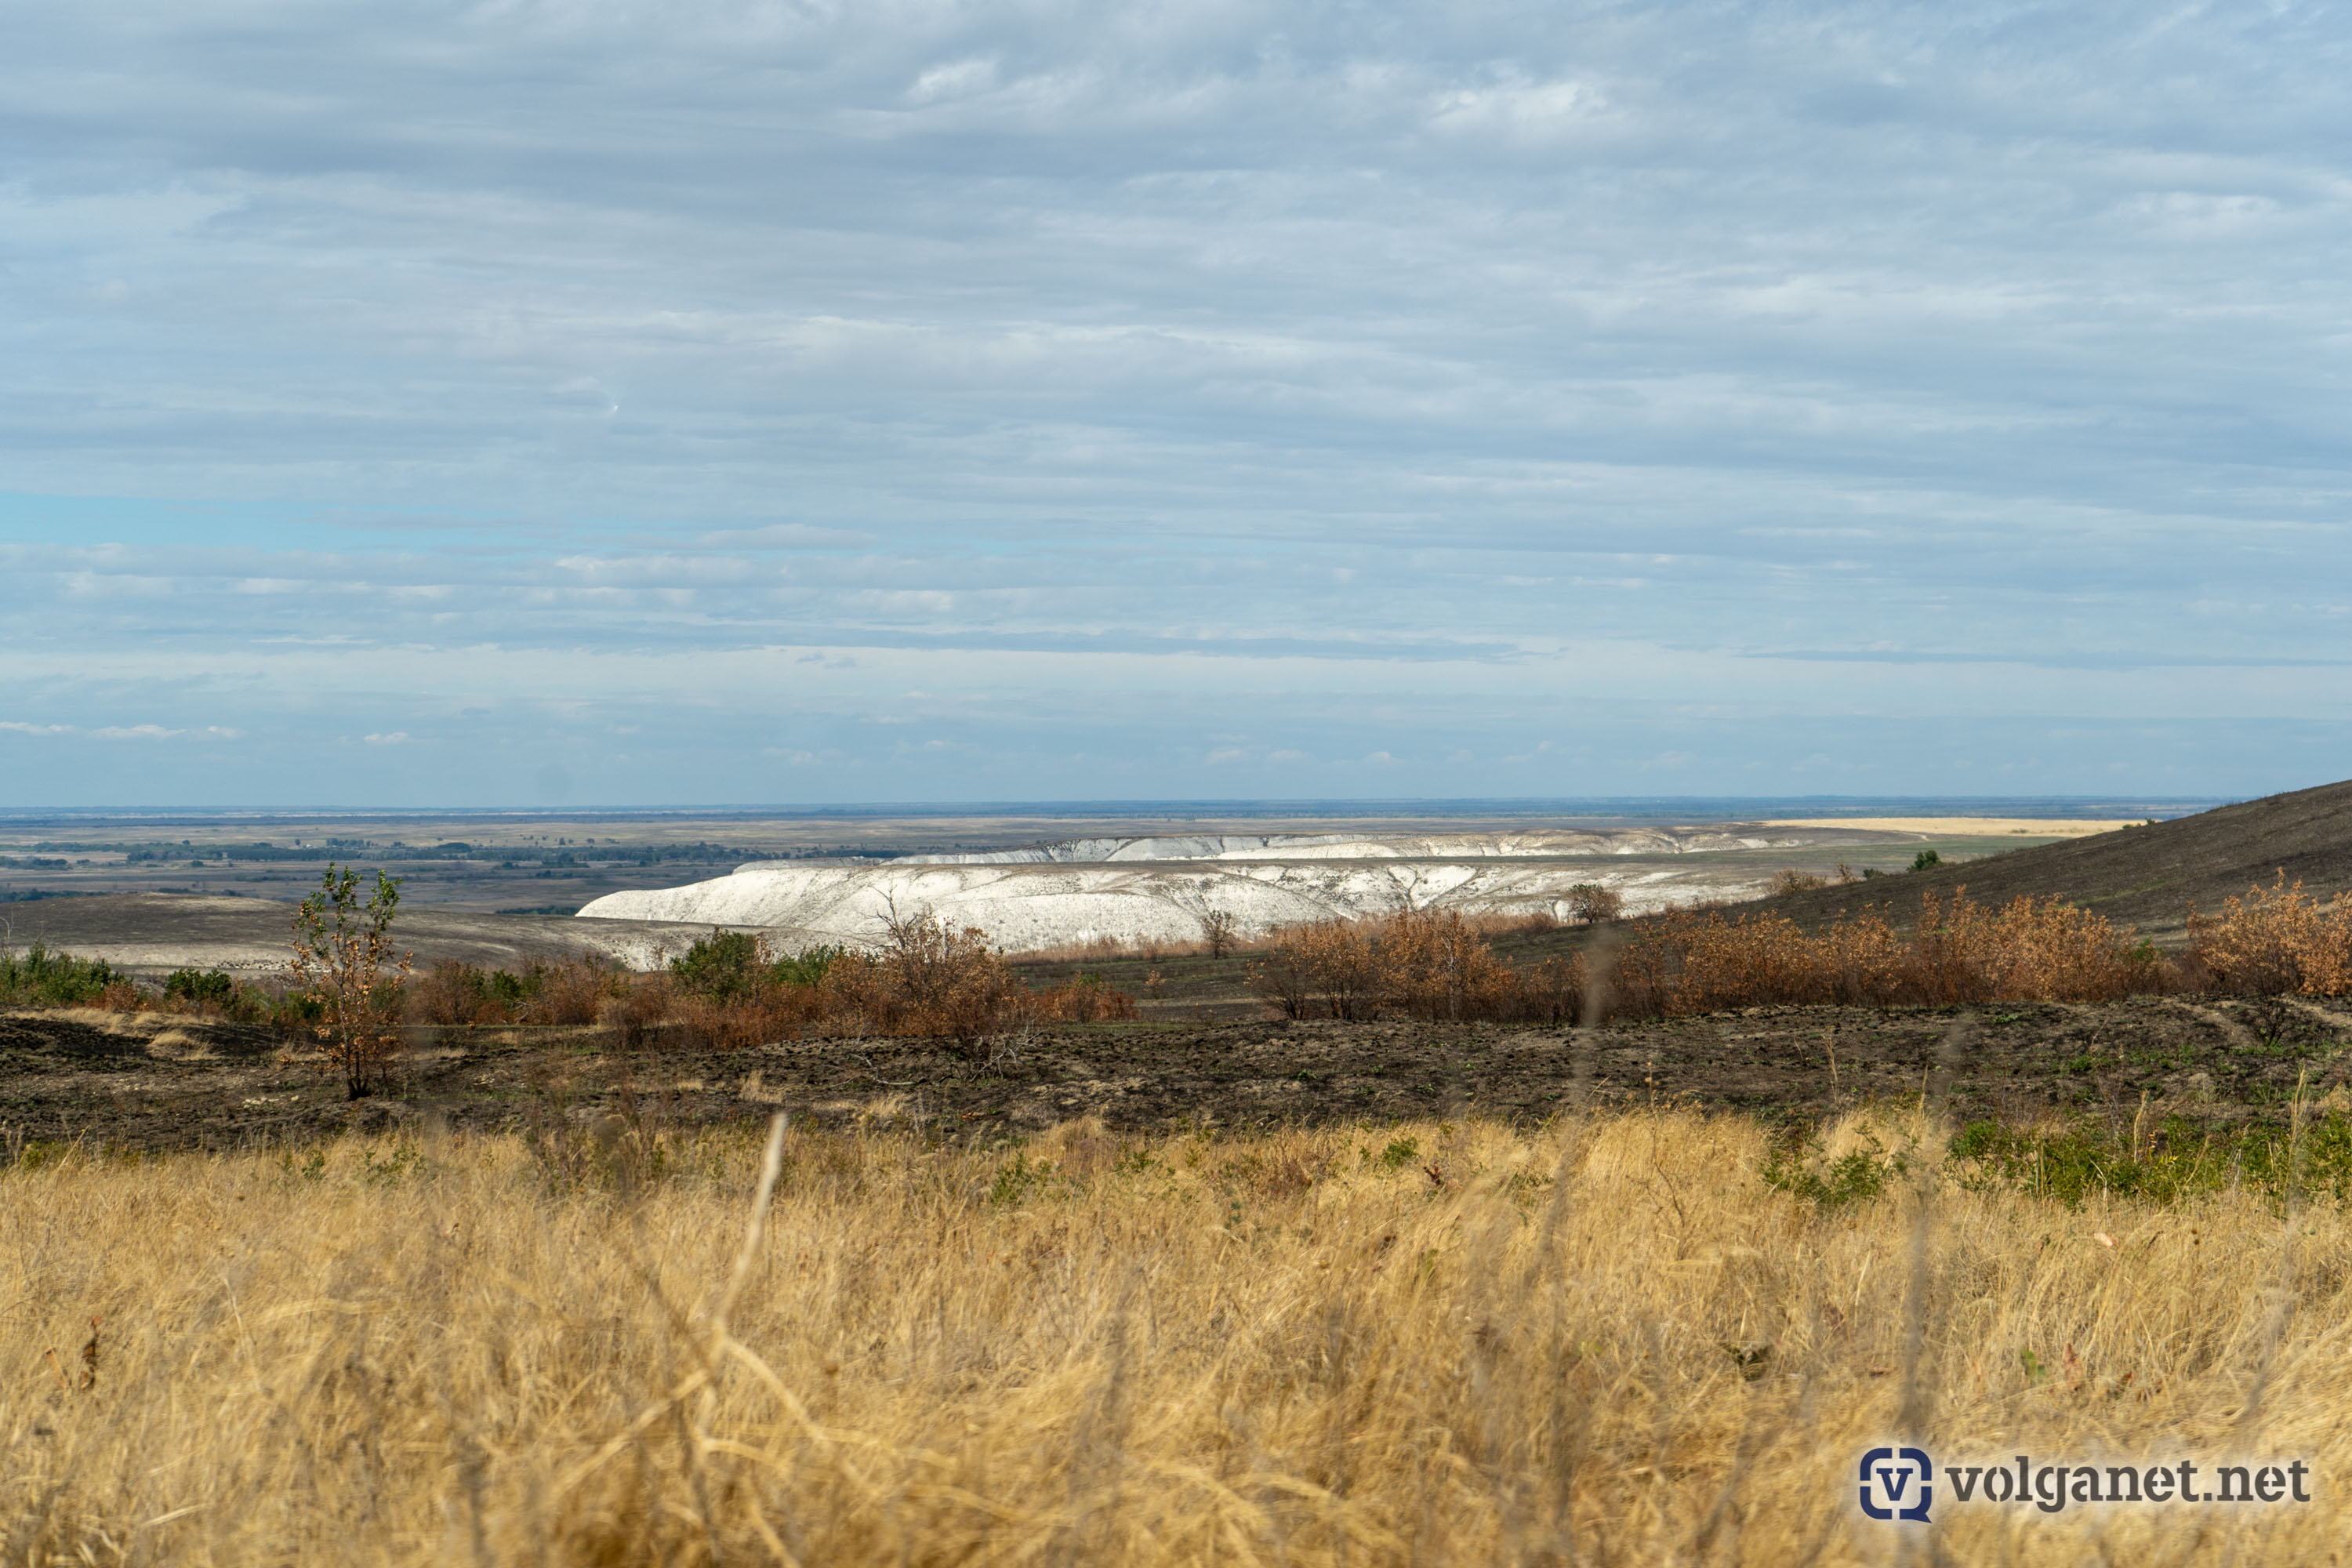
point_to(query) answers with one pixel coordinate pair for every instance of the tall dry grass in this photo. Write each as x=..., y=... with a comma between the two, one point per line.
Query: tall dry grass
x=1607, y=1341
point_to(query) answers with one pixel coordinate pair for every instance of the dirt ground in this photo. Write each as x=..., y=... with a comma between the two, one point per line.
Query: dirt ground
x=152, y=1082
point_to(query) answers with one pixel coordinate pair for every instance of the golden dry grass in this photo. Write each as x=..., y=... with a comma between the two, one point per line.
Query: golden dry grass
x=1419, y=1345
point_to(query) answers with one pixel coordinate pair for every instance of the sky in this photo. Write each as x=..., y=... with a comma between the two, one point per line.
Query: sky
x=612, y=404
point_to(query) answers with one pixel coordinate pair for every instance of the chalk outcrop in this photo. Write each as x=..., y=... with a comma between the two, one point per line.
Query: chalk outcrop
x=1160, y=890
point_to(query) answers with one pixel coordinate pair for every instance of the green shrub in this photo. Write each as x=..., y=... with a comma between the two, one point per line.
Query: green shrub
x=511, y=991
x=1925, y=860
x=219, y=993
x=2176, y=1161
x=1858, y=1176
x=731, y=965
x=296, y=1012
x=723, y=967
x=40, y=978
x=199, y=987
x=806, y=967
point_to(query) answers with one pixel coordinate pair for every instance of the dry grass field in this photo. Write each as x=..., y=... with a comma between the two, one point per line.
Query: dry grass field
x=1605, y=1339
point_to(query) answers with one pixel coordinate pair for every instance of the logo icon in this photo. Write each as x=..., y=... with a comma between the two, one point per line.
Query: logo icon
x=1897, y=1483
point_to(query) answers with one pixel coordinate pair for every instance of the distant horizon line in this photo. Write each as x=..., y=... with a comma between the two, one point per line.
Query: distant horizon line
x=2052, y=806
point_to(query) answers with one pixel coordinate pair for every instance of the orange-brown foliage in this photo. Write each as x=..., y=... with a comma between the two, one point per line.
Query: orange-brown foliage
x=573, y=991
x=2275, y=940
x=1329, y=966
x=1434, y=965
x=933, y=980
x=1430, y=965
x=1080, y=1001
x=1418, y=962
x=2038, y=950
x=452, y=993
x=121, y=997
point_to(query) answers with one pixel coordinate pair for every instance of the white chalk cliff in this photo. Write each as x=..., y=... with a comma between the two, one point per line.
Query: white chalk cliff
x=1146, y=889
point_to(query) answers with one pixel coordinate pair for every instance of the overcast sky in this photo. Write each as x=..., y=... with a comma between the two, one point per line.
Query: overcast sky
x=606, y=404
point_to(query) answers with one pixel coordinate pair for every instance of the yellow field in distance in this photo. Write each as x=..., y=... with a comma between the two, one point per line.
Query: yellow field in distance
x=1963, y=826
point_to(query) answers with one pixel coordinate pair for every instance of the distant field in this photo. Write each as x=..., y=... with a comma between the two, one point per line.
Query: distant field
x=536, y=861
x=2034, y=827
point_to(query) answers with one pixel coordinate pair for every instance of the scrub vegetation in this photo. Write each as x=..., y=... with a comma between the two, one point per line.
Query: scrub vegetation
x=2273, y=941
x=933, y=980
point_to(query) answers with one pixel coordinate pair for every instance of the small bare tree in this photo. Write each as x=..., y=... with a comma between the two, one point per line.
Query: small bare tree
x=341, y=950
x=944, y=980
x=1221, y=931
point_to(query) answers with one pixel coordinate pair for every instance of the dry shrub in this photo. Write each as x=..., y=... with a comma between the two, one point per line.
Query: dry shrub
x=2275, y=940
x=2030, y=950
x=737, y=1022
x=945, y=982
x=1420, y=963
x=573, y=991
x=1084, y=1000
x=453, y=992
x=1222, y=930
x=933, y=979
x=1434, y=965
x=121, y=997
x=1553, y=991
x=1283, y=979
x=1106, y=949
x=1425, y=965
x=632, y=1011
x=1094, y=950
x=1331, y=965
x=1512, y=923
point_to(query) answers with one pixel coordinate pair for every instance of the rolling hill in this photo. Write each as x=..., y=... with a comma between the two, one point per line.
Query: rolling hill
x=2146, y=877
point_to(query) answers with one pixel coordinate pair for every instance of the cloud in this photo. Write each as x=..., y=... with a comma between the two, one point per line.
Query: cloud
x=1085, y=363
x=786, y=536
x=123, y=732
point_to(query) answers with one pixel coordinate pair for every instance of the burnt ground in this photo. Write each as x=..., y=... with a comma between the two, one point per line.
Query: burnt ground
x=155, y=1082
x=2144, y=878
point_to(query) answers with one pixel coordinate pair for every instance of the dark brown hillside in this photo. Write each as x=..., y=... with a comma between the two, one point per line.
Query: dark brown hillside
x=2144, y=878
